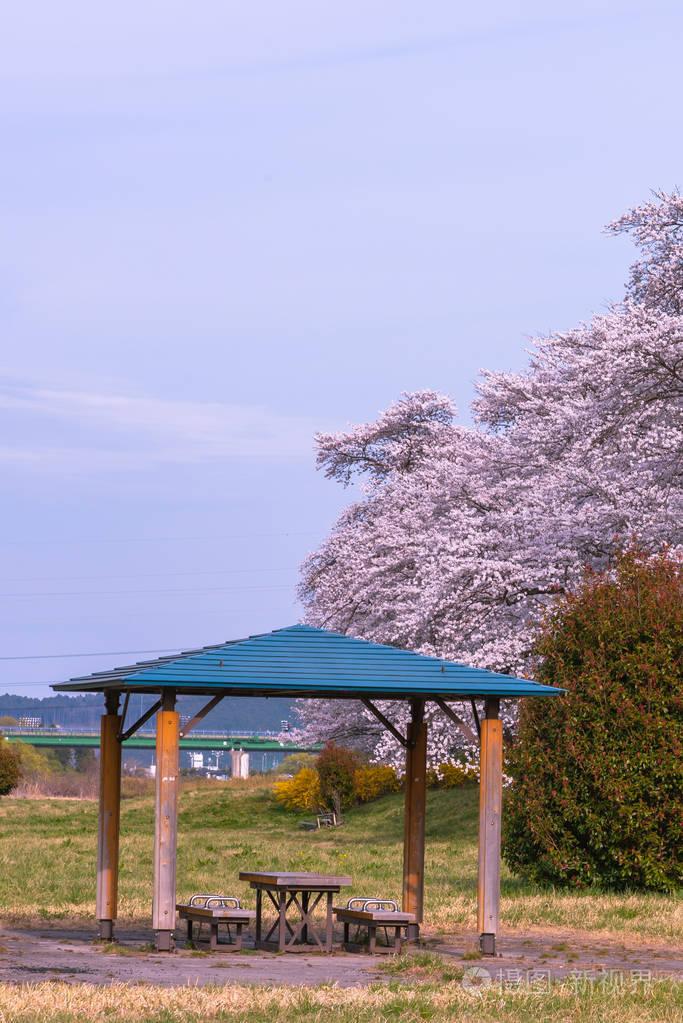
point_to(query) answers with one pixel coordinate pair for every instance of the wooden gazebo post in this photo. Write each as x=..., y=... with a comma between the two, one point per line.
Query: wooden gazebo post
x=166, y=822
x=490, y=805
x=108, y=817
x=414, y=822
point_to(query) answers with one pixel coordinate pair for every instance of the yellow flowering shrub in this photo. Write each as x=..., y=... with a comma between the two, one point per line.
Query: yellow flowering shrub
x=302, y=792
x=373, y=782
x=451, y=774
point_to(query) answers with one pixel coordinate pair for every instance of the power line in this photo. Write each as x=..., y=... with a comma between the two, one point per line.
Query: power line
x=144, y=613
x=98, y=653
x=128, y=593
x=162, y=539
x=146, y=575
x=114, y=653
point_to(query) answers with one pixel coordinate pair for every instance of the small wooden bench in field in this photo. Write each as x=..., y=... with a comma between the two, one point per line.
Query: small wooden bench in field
x=323, y=820
x=373, y=913
x=215, y=910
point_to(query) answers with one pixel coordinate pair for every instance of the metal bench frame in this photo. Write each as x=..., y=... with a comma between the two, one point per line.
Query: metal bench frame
x=215, y=910
x=356, y=912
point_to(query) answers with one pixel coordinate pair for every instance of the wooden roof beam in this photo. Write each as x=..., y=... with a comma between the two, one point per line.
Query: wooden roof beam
x=476, y=717
x=457, y=720
x=140, y=721
x=201, y=714
x=406, y=743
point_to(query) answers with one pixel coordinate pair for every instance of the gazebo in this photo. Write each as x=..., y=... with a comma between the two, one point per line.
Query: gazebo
x=299, y=662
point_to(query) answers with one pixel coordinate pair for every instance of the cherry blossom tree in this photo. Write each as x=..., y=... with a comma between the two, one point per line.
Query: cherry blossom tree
x=462, y=536
x=657, y=228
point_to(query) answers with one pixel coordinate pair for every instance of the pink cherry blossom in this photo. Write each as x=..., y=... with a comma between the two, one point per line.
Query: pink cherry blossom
x=462, y=536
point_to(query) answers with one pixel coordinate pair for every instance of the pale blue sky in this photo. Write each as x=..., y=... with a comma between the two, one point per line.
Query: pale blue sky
x=227, y=226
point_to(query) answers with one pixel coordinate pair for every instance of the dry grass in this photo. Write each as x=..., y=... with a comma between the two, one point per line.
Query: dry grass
x=47, y=861
x=83, y=1003
x=75, y=785
x=70, y=785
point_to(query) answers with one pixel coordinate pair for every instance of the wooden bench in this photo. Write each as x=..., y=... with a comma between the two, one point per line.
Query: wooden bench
x=215, y=910
x=323, y=820
x=373, y=913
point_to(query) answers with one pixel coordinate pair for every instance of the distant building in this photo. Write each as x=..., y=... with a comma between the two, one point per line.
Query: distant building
x=30, y=722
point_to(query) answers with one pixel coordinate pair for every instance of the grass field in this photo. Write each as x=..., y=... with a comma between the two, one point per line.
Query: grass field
x=436, y=1001
x=47, y=873
x=48, y=846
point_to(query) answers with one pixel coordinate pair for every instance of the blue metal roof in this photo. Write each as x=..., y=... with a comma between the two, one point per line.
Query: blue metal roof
x=302, y=661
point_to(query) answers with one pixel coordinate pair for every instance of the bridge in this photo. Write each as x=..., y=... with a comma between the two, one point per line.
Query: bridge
x=53, y=738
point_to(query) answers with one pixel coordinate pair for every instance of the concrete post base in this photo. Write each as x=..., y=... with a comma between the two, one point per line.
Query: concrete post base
x=164, y=941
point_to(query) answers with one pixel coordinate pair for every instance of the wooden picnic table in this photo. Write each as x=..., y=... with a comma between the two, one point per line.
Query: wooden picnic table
x=299, y=893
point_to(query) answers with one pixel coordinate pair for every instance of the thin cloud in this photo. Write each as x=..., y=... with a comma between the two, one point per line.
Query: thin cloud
x=78, y=430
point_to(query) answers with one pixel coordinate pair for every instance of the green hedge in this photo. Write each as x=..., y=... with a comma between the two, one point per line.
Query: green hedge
x=596, y=794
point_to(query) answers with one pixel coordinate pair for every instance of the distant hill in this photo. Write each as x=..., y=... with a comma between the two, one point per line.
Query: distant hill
x=233, y=714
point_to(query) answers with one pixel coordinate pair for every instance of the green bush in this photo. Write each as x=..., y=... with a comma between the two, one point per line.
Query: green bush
x=37, y=763
x=10, y=767
x=85, y=760
x=596, y=793
x=293, y=763
x=336, y=770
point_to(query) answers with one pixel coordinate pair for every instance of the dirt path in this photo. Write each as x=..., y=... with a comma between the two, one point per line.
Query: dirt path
x=31, y=955
x=561, y=955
